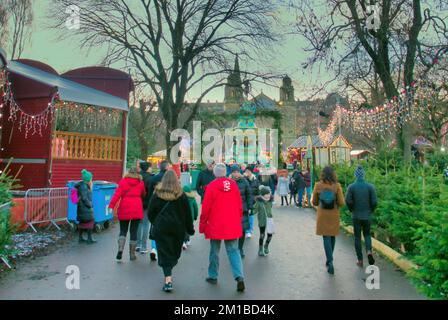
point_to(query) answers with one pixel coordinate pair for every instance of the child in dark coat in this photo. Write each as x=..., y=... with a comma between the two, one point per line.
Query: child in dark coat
x=194, y=211
x=263, y=209
x=84, y=211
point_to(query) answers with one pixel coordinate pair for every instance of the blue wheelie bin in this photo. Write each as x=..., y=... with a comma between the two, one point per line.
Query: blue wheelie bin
x=102, y=193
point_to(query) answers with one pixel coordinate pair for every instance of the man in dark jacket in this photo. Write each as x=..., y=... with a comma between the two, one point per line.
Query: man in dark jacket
x=298, y=186
x=247, y=199
x=255, y=188
x=204, y=178
x=361, y=200
x=143, y=227
x=153, y=181
x=307, y=178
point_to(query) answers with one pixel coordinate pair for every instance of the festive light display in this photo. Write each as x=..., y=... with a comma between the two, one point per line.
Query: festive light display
x=87, y=117
x=28, y=122
x=392, y=115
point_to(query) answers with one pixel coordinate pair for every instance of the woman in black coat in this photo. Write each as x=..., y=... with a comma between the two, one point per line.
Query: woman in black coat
x=170, y=215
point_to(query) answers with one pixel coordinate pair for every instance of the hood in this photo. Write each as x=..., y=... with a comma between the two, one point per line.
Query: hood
x=223, y=184
x=187, y=190
x=132, y=179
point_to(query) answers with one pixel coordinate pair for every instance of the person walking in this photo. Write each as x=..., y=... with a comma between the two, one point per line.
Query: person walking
x=194, y=211
x=299, y=185
x=263, y=210
x=361, y=200
x=143, y=227
x=204, y=178
x=283, y=188
x=307, y=179
x=84, y=210
x=328, y=198
x=254, y=185
x=248, y=202
x=127, y=200
x=170, y=215
x=221, y=215
x=153, y=182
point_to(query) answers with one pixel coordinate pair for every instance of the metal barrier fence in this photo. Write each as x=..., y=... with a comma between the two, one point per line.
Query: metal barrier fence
x=46, y=205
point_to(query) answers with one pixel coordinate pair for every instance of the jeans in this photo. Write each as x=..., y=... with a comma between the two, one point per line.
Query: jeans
x=364, y=227
x=233, y=253
x=301, y=192
x=308, y=194
x=124, y=226
x=251, y=223
x=143, y=233
x=329, y=242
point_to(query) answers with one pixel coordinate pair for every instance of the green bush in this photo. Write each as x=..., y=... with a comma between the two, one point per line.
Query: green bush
x=412, y=212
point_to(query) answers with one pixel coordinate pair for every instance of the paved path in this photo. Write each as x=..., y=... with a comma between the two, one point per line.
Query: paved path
x=294, y=270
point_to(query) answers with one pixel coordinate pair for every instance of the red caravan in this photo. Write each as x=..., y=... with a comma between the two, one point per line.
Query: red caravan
x=55, y=151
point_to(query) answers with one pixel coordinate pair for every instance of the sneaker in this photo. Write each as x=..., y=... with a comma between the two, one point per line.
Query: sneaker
x=153, y=255
x=371, y=259
x=168, y=287
x=248, y=235
x=359, y=263
x=211, y=280
x=119, y=256
x=144, y=251
x=240, y=287
x=184, y=246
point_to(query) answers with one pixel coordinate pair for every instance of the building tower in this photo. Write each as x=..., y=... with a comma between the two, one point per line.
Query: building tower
x=288, y=109
x=233, y=92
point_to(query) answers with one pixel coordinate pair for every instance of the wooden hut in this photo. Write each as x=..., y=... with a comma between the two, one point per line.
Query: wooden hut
x=55, y=125
x=337, y=151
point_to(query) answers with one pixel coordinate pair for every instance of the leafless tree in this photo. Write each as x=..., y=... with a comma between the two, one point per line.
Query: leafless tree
x=16, y=18
x=174, y=45
x=408, y=34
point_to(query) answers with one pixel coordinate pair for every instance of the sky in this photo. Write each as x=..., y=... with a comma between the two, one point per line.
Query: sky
x=64, y=55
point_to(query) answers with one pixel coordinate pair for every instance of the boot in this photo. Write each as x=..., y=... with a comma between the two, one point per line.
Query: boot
x=121, y=243
x=132, y=247
x=266, y=249
x=261, y=251
x=90, y=240
x=81, y=239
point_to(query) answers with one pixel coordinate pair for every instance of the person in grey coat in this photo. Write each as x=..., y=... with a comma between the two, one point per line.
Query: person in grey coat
x=361, y=200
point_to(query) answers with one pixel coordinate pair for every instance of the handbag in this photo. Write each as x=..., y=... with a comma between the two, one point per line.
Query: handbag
x=270, y=226
x=151, y=229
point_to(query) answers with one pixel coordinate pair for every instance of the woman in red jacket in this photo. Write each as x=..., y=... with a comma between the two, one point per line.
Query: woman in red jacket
x=127, y=200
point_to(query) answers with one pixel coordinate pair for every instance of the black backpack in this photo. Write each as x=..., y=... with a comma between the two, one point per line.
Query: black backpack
x=327, y=199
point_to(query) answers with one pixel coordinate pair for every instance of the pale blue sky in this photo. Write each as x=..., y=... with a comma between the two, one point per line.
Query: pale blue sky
x=66, y=55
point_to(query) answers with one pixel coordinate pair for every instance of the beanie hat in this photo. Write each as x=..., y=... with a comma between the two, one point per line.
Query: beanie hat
x=264, y=190
x=359, y=173
x=235, y=167
x=86, y=175
x=144, y=166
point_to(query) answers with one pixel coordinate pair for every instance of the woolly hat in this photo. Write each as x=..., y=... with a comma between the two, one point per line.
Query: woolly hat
x=264, y=190
x=359, y=173
x=86, y=175
x=144, y=166
x=234, y=168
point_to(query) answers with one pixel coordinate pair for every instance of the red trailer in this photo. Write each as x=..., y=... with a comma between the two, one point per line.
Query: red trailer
x=55, y=125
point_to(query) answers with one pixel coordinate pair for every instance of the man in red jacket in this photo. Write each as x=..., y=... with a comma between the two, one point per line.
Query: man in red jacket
x=221, y=215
